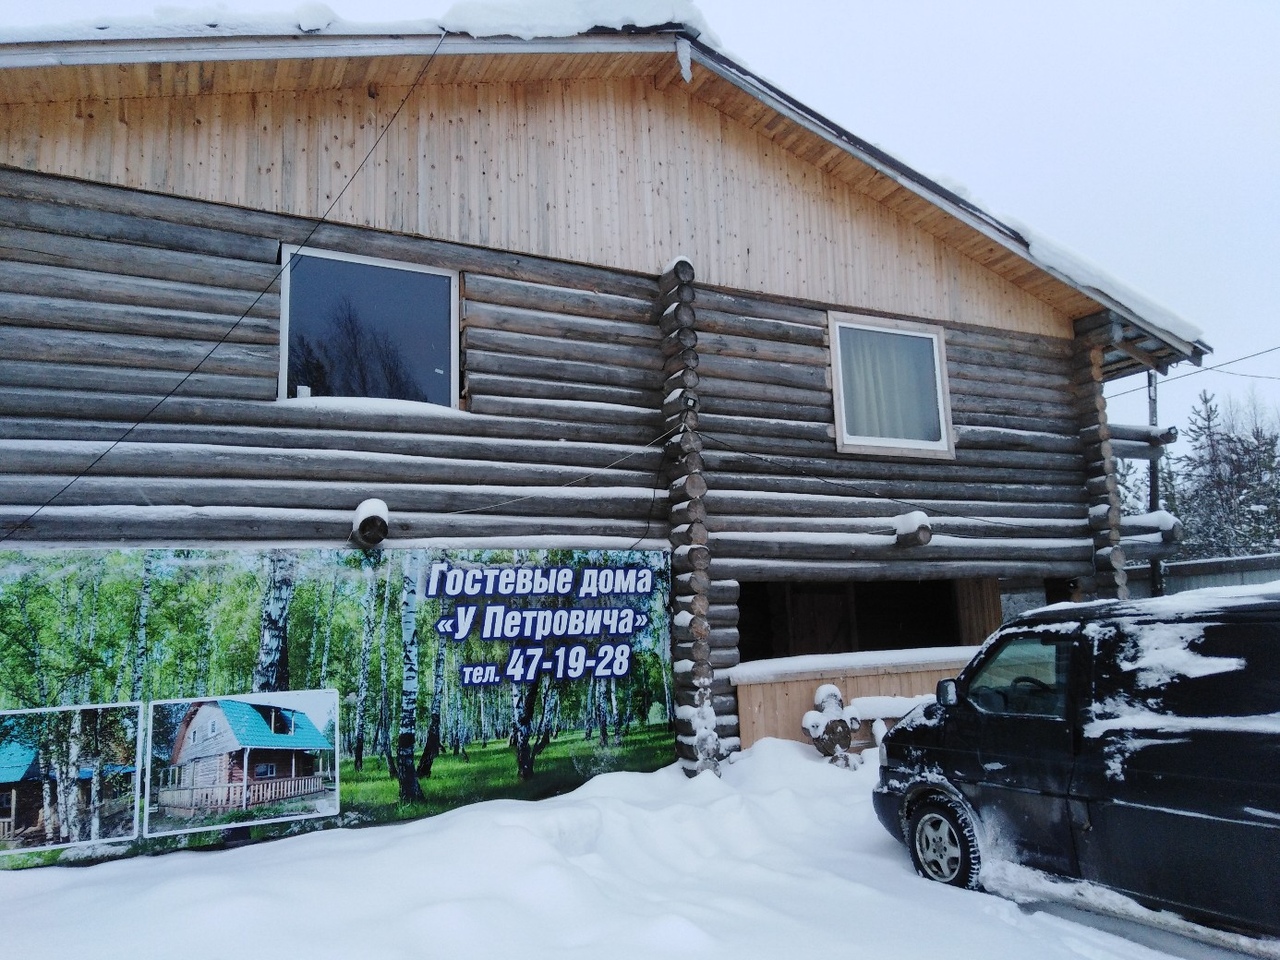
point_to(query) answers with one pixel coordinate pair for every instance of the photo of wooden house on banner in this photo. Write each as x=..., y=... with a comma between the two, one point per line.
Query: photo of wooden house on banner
x=68, y=776
x=218, y=762
x=609, y=291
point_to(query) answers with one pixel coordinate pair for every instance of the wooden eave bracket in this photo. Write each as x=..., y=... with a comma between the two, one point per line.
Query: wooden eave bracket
x=1131, y=346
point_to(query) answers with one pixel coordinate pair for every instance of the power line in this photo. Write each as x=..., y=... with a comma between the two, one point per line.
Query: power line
x=243, y=316
x=1216, y=367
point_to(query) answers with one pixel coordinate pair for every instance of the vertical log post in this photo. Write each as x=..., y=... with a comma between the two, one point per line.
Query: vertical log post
x=697, y=739
x=1100, y=466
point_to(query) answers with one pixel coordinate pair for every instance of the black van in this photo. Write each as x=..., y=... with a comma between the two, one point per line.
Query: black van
x=1135, y=744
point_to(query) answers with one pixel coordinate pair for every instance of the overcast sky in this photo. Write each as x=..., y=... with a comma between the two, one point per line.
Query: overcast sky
x=1142, y=135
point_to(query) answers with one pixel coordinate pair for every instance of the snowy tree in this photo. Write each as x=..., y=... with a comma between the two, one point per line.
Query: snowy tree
x=1226, y=489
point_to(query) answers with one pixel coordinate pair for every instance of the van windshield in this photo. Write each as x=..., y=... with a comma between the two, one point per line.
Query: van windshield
x=1027, y=675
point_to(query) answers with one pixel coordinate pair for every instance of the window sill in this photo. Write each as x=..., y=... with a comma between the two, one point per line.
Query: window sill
x=379, y=405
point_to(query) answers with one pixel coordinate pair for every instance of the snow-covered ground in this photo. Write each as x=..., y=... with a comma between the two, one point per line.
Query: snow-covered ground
x=781, y=858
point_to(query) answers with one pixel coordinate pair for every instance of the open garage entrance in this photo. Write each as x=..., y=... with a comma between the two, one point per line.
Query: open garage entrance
x=798, y=618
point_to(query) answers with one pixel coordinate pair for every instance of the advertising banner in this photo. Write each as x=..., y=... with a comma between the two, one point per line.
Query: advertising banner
x=158, y=699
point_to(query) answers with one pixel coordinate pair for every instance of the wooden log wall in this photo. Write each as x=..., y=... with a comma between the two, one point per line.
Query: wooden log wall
x=139, y=339
x=782, y=504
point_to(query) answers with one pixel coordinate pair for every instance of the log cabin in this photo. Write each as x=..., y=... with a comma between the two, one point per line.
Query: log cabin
x=21, y=806
x=602, y=290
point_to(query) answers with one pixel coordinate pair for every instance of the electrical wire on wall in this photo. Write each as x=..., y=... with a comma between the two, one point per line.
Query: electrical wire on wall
x=243, y=316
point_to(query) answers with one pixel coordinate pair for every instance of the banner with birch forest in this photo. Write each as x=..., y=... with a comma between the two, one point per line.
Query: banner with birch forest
x=229, y=695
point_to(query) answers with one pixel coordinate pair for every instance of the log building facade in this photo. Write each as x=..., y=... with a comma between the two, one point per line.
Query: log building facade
x=159, y=199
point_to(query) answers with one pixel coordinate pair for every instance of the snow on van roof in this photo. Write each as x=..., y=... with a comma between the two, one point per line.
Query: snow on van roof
x=1185, y=604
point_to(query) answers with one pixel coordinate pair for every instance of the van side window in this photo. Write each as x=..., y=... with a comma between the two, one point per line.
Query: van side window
x=1026, y=676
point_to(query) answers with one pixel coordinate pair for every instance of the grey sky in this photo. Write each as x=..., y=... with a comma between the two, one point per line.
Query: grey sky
x=1142, y=135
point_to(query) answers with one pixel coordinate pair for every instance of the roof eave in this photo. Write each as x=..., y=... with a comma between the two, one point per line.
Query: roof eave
x=657, y=39
x=1175, y=348
x=217, y=48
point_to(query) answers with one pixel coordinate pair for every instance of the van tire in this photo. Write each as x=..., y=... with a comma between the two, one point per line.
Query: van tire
x=944, y=843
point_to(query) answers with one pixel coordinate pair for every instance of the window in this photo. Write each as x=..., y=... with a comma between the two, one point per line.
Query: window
x=1027, y=676
x=264, y=771
x=889, y=381
x=361, y=327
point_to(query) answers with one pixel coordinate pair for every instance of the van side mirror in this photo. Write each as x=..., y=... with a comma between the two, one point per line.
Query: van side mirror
x=946, y=693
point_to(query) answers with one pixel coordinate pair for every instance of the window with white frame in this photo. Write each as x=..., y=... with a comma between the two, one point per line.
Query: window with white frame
x=364, y=327
x=890, y=387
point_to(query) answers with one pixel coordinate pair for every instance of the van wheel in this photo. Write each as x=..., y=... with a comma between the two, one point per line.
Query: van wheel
x=944, y=845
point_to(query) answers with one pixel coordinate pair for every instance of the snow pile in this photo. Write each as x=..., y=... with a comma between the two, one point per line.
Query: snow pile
x=1159, y=519
x=908, y=523
x=782, y=857
x=891, y=708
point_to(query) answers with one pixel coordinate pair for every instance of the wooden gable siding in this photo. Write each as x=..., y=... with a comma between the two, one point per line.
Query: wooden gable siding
x=782, y=504
x=188, y=749
x=108, y=297
x=610, y=171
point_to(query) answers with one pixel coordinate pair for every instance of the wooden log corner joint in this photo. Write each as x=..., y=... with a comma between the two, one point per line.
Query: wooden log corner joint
x=697, y=740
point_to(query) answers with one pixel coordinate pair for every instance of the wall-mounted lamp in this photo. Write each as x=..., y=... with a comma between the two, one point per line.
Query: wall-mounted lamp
x=370, y=525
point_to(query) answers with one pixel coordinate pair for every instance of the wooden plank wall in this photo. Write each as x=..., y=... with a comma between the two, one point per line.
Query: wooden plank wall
x=774, y=708
x=782, y=504
x=109, y=298
x=978, y=608
x=607, y=171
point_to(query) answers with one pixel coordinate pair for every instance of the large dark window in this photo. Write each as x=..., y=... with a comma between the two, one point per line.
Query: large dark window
x=793, y=619
x=360, y=327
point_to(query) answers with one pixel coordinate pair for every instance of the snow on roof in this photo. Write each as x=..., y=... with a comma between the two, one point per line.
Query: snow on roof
x=546, y=19
x=566, y=18
x=1089, y=276
x=834, y=664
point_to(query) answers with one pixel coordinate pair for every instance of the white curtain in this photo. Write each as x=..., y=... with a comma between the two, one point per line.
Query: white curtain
x=890, y=385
